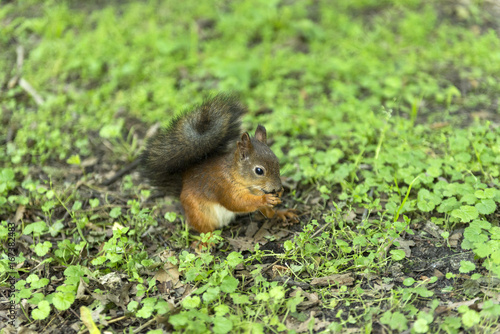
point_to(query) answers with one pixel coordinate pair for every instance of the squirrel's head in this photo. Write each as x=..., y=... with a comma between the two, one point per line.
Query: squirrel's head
x=257, y=165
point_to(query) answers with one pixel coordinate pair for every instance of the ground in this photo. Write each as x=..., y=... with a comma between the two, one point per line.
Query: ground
x=384, y=116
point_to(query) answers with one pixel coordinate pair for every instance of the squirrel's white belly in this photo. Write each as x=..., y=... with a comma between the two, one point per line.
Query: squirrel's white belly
x=224, y=216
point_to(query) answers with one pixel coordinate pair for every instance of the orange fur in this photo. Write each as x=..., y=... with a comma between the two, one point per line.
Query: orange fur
x=206, y=186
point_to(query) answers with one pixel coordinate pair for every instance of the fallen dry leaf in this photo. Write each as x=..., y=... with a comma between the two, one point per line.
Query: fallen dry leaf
x=454, y=238
x=165, y=254
x=112, y=281
x=312, y=298
x=169, y=274
x=445, y=308
x=89, y=162
x=119, y=295
x=80, y=292
x=349, y=217
x=252, y=228
x=264, y=232
x=439, y=125
x=117, y=226
x=494, y=295
x=281, y=234
x=279, y=270
x=161, y=276
x=405, y=245
x=19, y=213
x=241, y=244
x=383, y=286
x=437, y=273
x=433, y=229
x=301, y=327
x=483, y=114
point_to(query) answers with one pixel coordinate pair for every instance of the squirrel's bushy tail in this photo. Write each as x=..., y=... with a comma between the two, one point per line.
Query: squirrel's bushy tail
x=191, y=137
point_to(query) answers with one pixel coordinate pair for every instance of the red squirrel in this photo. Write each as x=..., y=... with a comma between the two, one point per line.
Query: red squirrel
x=216, y=171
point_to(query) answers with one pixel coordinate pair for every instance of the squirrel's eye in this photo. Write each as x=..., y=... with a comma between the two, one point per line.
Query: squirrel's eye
x=259, y=171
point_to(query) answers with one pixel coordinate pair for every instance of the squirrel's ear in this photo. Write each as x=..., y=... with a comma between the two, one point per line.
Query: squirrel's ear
x=244, y=146
x=260, y=134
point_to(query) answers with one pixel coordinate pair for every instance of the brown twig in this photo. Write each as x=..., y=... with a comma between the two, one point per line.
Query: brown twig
x=118, y=319
x=22, y=82
x=264, y=269
x=20, y=58
x=125, y=170
x=287, y=280
x=320, y=229
x=365, y=212
x=146, y=324
x=31, y=91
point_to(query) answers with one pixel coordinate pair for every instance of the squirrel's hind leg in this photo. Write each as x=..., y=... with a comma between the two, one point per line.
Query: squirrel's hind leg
x=198, y=214
x=285, y=215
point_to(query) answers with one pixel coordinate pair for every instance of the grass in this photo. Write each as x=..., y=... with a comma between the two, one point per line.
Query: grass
x=385, y=118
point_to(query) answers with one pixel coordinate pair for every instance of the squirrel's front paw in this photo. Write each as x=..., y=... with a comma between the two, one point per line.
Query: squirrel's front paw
x=271, y=200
